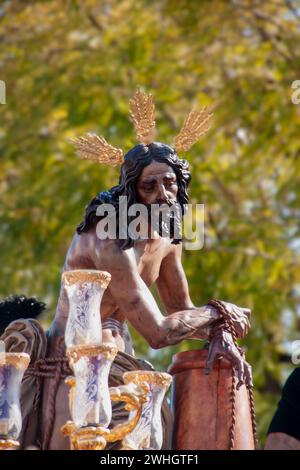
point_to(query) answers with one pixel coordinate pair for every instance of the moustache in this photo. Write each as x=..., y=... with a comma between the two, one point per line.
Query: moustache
x=169, y=202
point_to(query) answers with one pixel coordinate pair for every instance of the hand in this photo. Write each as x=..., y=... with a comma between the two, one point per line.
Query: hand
x=240, y=317
x=222, y=345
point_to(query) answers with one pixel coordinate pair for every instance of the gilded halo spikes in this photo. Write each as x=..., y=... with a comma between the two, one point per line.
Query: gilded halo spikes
x=196, y=125
x=96, y=148
x=142, y=115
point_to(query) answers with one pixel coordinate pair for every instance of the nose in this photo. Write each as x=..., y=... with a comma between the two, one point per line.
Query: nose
x=162, y=194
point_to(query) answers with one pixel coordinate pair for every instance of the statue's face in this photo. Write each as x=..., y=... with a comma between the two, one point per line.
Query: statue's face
x=157, y=184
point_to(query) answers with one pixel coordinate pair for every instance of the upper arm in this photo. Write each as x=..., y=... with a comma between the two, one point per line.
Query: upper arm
x=131, y=293
x=172, y=283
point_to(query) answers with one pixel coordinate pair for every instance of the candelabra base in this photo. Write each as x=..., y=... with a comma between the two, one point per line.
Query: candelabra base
x=87, y=438
x=9, y=444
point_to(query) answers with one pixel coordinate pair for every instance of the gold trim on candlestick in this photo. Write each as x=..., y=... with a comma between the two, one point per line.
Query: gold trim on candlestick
x=109, y=351
x=86, y=275
x=121, y=430
x=139, y=376
x=134, y=396
x=9, y=444
x=71, y=381
x=128, y=447
x=87, y=438
x=18, y=360
x=96, y=437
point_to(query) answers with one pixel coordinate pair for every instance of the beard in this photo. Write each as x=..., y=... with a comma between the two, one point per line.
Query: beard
x=166, y=219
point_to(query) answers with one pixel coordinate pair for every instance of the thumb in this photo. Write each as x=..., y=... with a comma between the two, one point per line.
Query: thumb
x=212, y=353
x=247, y=312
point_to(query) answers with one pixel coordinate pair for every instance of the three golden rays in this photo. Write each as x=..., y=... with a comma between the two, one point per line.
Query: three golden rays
x=142, y=112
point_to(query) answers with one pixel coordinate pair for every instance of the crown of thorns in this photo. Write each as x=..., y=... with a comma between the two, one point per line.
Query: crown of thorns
x=96, y=148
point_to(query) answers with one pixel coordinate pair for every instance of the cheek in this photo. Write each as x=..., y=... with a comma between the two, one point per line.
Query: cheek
x=144, y=198
x=149, y=198
x=174, y=191
x=140, y=195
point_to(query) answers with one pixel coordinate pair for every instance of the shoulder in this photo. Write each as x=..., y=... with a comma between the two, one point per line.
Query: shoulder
x=90, y=242
x=109, y=256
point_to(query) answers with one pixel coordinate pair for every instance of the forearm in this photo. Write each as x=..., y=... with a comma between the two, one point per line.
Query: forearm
x=185, y=324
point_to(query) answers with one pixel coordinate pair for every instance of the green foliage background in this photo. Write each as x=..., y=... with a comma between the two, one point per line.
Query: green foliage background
x=71, y=67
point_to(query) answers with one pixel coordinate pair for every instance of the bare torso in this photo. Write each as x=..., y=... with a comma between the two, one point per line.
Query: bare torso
x=86, y=252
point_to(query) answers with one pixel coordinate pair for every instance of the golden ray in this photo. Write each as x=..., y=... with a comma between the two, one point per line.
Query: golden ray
x=142, y=114
x=95, y=148
x=196, y=124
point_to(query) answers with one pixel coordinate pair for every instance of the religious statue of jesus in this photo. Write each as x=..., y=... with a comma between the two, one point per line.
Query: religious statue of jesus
x=153, y=175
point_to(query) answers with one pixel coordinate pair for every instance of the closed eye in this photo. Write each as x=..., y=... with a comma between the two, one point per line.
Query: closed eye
x=170, y=184
x=148, y=188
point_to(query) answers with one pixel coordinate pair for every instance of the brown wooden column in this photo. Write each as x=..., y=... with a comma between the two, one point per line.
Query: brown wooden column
x=202, y=405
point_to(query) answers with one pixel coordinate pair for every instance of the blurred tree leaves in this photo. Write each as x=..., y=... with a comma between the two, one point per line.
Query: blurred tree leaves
x=71, y=67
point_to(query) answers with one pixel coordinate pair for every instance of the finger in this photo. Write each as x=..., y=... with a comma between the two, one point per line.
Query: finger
x=248, y=375
x=247, y=311
x=242, y=327
x=240, y=372
x=212, y=353
x=243, y=353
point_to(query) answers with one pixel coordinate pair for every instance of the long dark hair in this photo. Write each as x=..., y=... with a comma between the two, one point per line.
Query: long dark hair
x=135, y=161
